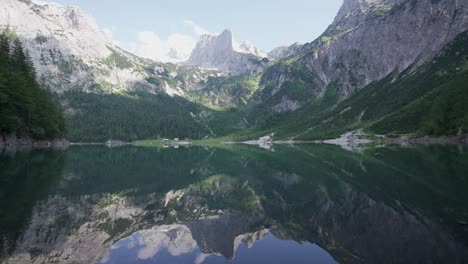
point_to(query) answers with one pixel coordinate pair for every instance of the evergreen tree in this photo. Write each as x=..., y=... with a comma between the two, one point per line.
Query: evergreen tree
x=7, y=113
x=25, y=108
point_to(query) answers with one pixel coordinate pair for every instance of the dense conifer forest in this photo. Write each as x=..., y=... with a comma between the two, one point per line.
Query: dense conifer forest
x=26, y=108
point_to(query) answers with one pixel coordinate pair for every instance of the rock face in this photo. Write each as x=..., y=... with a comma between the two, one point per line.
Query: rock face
x=234, y=228
x=286, y=105
x=216, y=51
x=70, y=52
x=285, y=51
x=357, y=217
x=85, y=229
x=68, y=49
x=348, y=223
x=249, y=48
x=369, y=39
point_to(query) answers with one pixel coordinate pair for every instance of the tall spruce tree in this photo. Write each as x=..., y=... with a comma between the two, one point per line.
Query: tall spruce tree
x=7, y=113
x=25, y=108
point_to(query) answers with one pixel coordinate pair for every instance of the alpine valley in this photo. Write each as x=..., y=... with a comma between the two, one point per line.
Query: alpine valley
x=383, y=67
x=351, y=148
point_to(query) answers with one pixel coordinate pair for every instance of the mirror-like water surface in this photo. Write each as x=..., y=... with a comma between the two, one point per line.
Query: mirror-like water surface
x=235, y=204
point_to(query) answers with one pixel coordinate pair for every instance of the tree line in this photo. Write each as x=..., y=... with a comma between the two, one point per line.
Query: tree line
x=130, y=116
x=26, y=108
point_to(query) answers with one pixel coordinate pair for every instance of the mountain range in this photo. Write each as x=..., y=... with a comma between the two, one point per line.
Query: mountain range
x=383, y=66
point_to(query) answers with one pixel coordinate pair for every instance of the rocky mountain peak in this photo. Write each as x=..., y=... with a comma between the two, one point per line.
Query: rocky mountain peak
x=362, y=5
x=67, y=47
x=249, y=48
x=226, y=35
x=285, y=51
x=73, y=17
x=73, y=28
x=369, y=39
x=217, y=51
x=353, y=12
x=219, y=43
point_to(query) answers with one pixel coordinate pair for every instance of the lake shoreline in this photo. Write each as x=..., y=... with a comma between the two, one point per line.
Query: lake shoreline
x=13, y=142
x=404, y=140
x=383, y=139
x=461, y=139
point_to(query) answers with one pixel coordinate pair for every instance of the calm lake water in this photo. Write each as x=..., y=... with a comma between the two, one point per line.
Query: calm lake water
x=235, y=204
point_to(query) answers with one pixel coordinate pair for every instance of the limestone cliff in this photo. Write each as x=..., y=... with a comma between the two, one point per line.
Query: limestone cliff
x=369, y=39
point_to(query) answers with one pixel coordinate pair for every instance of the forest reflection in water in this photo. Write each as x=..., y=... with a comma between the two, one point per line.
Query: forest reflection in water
x=240, y=204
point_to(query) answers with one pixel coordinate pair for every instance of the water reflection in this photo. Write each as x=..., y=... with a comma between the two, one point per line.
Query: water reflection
x=164, y=243
x=241, y=204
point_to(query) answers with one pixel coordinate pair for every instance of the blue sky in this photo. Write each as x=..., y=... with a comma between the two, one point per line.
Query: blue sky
x=266, y=23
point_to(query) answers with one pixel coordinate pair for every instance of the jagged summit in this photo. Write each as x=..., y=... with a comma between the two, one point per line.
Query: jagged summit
x=285, y=51
x=217, y=51
x=369, y=39
x=249, y=48
x=212, y=45
x=76, y=31
x=69, y=50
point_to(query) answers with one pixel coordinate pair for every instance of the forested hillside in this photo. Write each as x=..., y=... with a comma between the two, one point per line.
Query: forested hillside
x=140, y=115
x=410, y=80
x=430, y=99
x=132, y=116
x=26, y=109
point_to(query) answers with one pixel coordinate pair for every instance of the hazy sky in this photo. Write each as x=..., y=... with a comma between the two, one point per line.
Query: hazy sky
x=266, y=23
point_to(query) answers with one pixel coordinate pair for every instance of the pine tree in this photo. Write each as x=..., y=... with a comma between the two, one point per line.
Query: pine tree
x=7, y=113
x=25, y=108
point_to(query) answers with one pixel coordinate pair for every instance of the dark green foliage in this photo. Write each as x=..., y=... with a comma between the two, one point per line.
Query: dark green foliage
x=439, y=92
x=25, y=108
x=424, y=100
x=263, y=116
x=26, y=177
x=449, y=112
x=118, y=60
x=154, y=81
x=300, y=88
x=296, y=71
x=139, y=115
x=443, y=111
x=227, y=91
x=299, y=83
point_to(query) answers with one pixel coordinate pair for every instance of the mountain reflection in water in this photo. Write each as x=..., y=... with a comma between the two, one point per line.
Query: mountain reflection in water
x=239, y=204
x=163, y=244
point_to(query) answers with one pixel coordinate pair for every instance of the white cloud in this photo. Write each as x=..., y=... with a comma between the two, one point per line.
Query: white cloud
x=182, y=44
x=150, y=46
x=196, y=28
x=177, y=47
x=132, y=47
